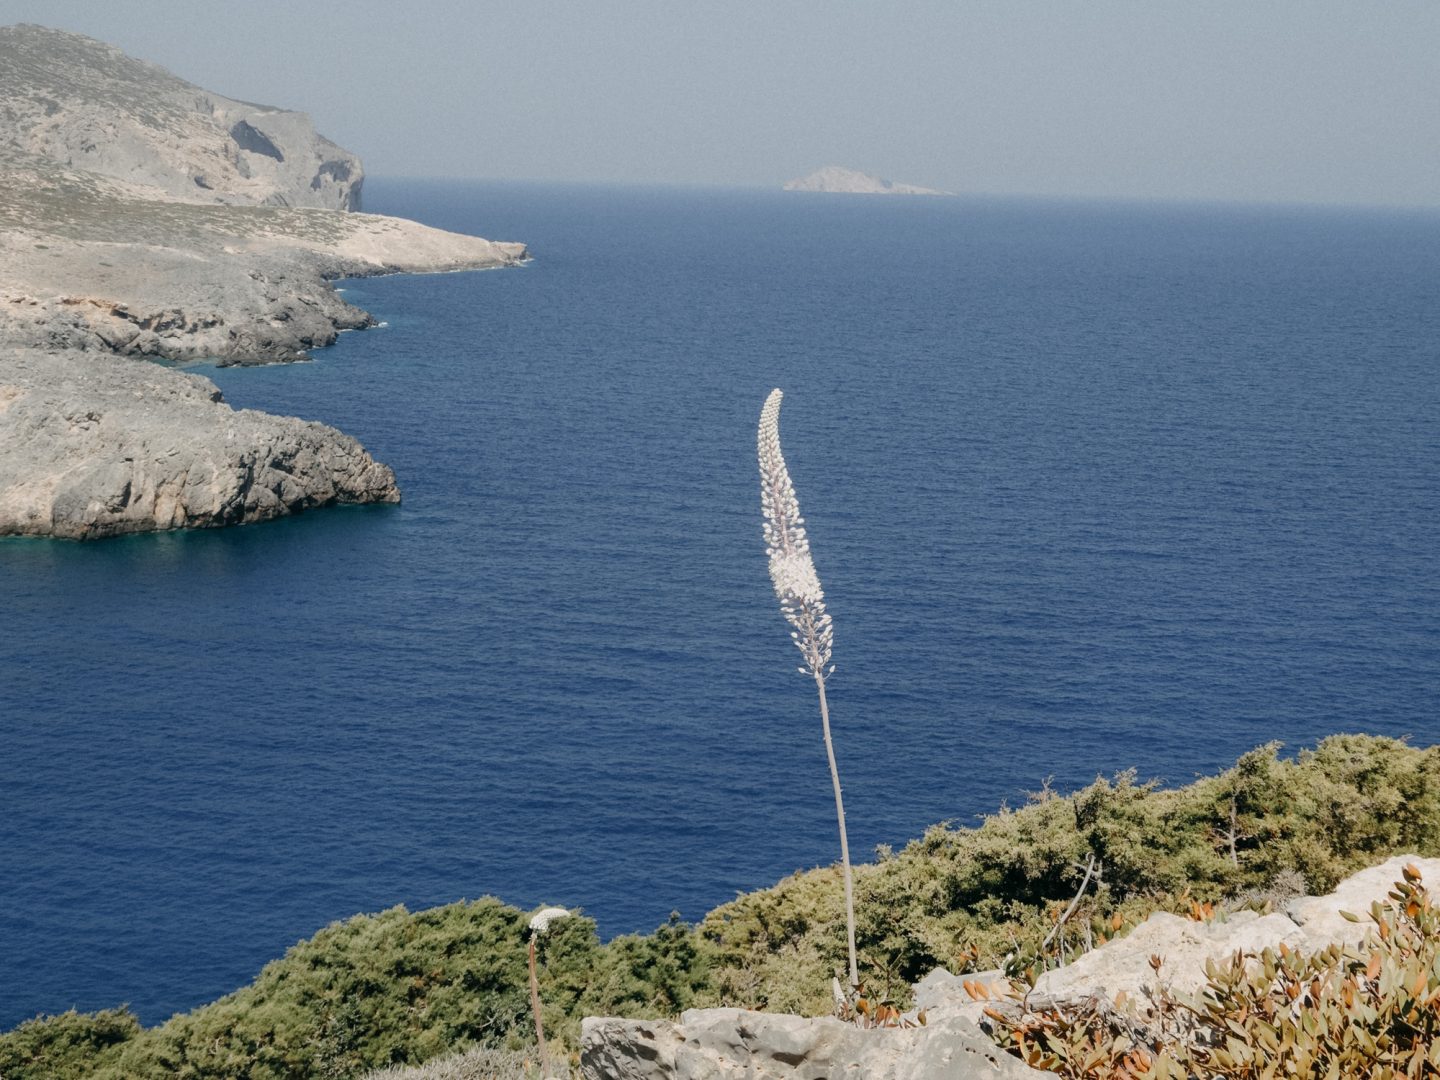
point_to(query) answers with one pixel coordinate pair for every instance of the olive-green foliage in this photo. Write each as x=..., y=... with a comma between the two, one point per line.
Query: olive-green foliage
x=402, y=988
x=1372, y=1012
x=64, y=1047
x=974, y=898
x=376, y=990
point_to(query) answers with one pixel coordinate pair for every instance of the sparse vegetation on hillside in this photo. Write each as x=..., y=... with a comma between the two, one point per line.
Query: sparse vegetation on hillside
x=43, y=197
x=1366, y=1012
x=985, y=897
x=403, y=987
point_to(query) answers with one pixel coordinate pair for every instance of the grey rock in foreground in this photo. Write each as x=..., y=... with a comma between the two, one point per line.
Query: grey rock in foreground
x=85, y=104
x=1185, y=945
x=712, y=1044
x=840, y=181
x=1308, y=924
x=101, y=446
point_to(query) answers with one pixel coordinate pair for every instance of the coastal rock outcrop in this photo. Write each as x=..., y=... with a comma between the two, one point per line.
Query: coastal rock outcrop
x=1308, y=924
x=85, y=104
x=141, y=216
x=837, y=180
x=90, y=263
x=101, y=446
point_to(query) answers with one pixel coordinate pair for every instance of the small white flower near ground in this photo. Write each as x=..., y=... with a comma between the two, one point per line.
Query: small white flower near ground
x=541, y=920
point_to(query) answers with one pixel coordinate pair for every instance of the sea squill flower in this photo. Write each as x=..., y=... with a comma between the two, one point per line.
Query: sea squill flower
x=802, y=602
x=792, y=571
x=539, y=924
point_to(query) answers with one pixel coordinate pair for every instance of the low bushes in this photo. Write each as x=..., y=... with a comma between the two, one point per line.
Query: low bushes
x=402, y=987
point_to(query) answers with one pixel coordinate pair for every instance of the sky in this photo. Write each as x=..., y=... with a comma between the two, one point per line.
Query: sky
x=1309, y=101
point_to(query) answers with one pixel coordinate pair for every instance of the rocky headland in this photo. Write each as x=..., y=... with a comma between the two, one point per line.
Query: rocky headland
x=94, y=446
x=80, y=102
x=144, y=217
x=835, y=180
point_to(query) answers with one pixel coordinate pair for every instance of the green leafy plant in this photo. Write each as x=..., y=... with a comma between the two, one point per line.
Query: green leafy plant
x=978, y=897
x=802, y=602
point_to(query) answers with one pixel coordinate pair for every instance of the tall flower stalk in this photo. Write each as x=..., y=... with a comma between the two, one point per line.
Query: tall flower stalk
x=792, y=571
x=538, y=925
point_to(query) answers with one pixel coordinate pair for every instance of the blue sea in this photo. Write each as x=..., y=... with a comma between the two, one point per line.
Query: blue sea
x=1091, y=487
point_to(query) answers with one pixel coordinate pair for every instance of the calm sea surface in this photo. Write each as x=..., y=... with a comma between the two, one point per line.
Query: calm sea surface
x=1090, y=487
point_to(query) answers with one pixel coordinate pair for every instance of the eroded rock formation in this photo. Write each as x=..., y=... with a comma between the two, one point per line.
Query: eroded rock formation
x=141, y=216
x=101, y=446
x=73, y=100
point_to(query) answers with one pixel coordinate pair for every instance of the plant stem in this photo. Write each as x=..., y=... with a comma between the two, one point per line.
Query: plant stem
x=844, y=843
x=535, y=1008
x=1089, y=869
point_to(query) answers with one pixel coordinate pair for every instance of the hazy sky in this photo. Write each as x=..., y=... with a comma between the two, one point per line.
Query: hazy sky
x=1296, y=100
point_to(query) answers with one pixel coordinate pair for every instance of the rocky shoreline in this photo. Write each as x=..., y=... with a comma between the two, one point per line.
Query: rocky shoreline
x=143, y=218
x=107, y=271
x=96, y=446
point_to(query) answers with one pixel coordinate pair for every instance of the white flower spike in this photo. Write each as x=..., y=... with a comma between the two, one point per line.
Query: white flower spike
x=792, y=570
x=802, y=602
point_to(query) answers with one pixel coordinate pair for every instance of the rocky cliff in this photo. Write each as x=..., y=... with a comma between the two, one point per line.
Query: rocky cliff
x=100, y=446
x=87, y=105
x=91, y=263
x=141, y=216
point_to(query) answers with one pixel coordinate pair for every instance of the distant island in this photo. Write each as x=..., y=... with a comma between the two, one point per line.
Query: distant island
x=837, y=180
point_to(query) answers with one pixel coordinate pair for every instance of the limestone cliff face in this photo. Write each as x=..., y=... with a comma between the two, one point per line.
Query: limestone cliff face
x=87, y=105
x=141, y=216
x=89, y=263
x=101, y=446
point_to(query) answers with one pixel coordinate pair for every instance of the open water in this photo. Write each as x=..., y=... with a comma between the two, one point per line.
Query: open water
x=1091, y=487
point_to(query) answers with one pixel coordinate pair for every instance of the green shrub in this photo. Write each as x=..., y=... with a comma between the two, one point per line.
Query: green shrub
x=977, y=898
x=64, y=1047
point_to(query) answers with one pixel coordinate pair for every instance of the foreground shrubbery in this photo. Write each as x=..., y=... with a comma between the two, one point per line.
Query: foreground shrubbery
x=372, y=991
x=401, y=988
x=985, y=897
